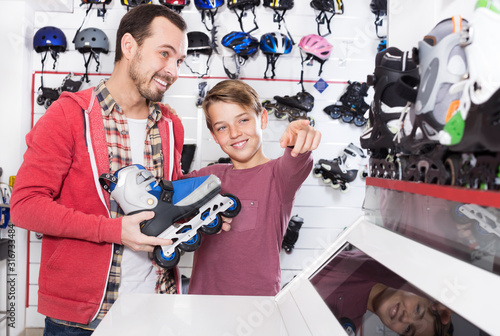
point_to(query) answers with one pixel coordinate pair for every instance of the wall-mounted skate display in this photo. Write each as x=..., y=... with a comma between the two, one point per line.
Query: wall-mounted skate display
x=294, y=107
x=351, y=106
x=342, y=170
x=445, y=128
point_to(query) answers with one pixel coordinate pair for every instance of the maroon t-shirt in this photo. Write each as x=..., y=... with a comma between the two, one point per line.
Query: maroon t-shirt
x=245, y=260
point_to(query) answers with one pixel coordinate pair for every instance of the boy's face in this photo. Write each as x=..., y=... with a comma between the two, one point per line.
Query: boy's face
x=238, y=132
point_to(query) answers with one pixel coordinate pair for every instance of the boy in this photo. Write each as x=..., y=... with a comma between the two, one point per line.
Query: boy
x=245, y=260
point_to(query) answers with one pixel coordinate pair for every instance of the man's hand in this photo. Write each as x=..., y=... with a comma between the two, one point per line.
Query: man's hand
x=132, y=236
x=303, y=137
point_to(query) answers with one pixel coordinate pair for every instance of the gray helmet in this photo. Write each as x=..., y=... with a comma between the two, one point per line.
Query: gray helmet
x=91, y=39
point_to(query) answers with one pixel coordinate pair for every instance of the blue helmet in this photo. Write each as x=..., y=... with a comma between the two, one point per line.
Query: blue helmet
x=49, y=38
x=242, y=43
x=275, y=43
x=208, y=4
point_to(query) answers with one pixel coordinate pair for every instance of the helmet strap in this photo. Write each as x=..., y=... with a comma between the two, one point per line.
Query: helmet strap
x=237, y=63
x=278, y=17
x=200, y=75
x=211, y=15
x=240, y=19
x=84, y=18
x=271, y=61
x=321, y=18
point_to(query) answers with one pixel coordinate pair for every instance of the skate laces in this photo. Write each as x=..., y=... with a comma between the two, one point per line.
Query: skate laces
x=400, y=125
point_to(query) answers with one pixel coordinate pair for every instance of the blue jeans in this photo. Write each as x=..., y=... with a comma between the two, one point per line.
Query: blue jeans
x=55, y=329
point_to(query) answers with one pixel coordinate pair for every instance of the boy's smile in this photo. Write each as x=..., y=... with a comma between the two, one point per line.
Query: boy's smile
x=239, y=133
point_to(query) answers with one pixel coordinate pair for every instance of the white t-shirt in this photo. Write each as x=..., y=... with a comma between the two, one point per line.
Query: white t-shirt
x=137, y=272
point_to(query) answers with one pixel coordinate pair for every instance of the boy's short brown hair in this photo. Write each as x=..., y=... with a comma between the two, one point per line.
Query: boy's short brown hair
x=232, y=91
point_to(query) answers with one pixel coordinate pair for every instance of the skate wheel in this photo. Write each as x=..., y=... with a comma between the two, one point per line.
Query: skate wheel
x=288, y=249
x=360, y=121
x=347, y=117
x=335, y=185
x=345, y=188
x=192, y=244
x=311, y=121
x=280, y=115
x=234, y=209
x=47, y=103
x=213, y=227
x=327, y=181
x=40, y=100
x=317, y=172
x=166, y=261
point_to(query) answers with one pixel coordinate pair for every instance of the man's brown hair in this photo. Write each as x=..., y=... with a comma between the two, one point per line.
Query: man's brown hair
x=137, y=22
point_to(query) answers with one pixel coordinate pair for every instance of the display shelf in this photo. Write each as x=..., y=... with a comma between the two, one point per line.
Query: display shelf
x=457, y=194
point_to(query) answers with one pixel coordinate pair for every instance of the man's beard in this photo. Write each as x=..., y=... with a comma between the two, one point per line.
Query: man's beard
x=142, y=83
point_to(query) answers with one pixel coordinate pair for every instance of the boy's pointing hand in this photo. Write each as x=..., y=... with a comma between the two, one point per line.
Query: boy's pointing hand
x=301, y=136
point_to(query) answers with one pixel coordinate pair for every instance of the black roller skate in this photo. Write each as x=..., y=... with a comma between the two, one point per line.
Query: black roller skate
x=292, y=233
x=46, y=96
x=294, y=107
x=196, y=200
x=391, y=98
x=352, y=106
x=340, y=171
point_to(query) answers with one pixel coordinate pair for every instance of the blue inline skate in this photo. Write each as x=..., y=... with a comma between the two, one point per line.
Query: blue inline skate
x=182, y=208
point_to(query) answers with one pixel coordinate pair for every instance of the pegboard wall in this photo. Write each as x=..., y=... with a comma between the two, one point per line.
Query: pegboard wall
x=326, y=211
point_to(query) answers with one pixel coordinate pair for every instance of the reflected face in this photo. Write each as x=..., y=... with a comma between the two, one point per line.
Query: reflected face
x=155, y=65
x=405, y=313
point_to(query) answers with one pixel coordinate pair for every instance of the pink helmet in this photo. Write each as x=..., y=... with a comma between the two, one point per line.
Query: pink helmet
x=316, y=45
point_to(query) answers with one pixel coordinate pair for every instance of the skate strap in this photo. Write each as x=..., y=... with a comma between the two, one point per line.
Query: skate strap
x=107, y=177
x=167, y=191
x=406, y=87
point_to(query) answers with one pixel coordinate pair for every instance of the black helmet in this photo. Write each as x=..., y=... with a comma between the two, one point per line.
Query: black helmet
x=278, y=4
x=199, y=42
x=327, y=6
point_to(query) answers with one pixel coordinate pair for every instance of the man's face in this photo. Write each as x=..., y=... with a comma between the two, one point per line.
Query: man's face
x=155, y=65
x=405, y=313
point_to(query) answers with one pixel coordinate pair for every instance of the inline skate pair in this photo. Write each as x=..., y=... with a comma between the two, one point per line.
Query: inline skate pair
x=294, y=107
x=342, y=170
x=351, y=106
x=182, y=208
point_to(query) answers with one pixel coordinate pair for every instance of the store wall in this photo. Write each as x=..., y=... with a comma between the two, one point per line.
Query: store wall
x=326, y=211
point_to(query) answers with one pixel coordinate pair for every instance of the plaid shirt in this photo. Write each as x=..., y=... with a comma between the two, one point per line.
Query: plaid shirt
x=120, y=155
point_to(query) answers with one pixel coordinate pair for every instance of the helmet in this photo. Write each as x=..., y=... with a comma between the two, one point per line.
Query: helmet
x=242, y=43
x=316, y=45
x=242, y=4
x=133, y=188
x=91, y=39
x=199, y=42
x=333, y=6
x=134, y=3
x=278, y=4
x=379, y=7
x=175, y=3
x=208, y=4
x=106, y=2
x=275, y=43
x=49, y=38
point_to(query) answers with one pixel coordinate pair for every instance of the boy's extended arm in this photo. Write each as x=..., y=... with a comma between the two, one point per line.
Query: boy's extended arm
x=301, y=136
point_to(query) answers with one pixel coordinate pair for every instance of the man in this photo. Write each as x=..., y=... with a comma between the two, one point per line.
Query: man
x=91, y=253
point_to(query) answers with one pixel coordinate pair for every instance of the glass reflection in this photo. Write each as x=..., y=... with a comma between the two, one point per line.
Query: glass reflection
x=353, y=283
x=468, y=232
